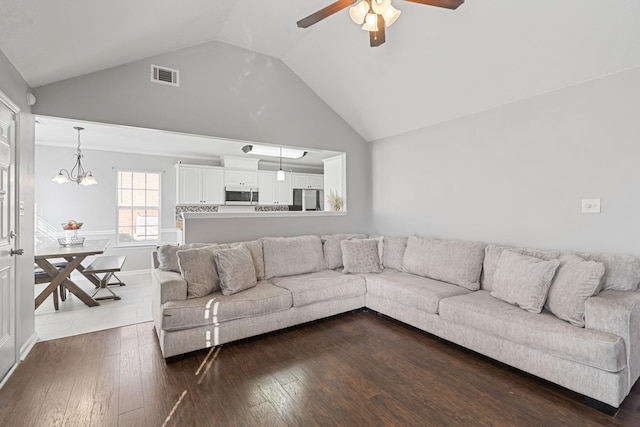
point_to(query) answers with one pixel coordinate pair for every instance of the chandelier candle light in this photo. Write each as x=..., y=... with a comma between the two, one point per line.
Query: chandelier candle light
x=77, y=174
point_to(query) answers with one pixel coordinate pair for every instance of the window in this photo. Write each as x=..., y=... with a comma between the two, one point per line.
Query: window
x=138, y=213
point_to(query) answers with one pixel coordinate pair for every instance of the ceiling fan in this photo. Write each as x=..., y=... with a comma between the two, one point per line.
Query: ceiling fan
x=373, y=14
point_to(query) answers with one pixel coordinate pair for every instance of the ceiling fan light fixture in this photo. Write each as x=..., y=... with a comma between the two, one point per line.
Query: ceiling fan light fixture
x=390, y=15
x=371, y=22
x=379, y=6
x=359, y=11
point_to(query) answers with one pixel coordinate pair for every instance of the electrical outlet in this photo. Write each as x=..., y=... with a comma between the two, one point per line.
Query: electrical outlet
x=591, y=206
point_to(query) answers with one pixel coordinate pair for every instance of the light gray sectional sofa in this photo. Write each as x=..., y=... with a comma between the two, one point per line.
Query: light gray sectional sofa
x=573, y=319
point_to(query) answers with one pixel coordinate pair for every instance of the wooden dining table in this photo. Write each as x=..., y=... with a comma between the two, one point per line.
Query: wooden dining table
x=45, y=253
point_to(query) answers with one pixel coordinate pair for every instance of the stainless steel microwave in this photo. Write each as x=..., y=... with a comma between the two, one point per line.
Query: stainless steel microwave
x=240, y=196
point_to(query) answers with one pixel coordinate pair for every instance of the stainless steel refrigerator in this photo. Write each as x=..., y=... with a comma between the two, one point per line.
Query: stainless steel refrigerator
x=307, y=200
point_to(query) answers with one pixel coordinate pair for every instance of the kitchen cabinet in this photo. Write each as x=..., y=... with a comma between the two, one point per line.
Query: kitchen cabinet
x=199, y=185
x=240, y=178
x=308, y=181
x=274, y=192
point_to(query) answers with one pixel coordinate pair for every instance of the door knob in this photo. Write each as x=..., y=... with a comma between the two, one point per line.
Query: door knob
x=16, y=252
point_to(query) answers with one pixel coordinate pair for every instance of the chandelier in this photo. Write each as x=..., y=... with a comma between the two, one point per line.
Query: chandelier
x=77, y=174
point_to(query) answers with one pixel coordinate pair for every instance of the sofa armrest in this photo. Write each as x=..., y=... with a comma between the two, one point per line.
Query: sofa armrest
x=618, y=312
x=168, y=286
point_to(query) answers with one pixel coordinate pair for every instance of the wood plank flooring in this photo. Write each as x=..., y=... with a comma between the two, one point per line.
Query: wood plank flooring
x=350, y=370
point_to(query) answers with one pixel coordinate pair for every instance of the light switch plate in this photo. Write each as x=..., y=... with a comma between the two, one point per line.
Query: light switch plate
x=591, y=206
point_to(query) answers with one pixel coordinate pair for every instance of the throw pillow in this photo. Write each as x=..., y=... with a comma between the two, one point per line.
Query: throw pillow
x=621, y=272
x=236, y=270
x=331, y=248
x=361, y=256
x=197, y=267
x=492, y=256
x=577, y=279
x=167, y=257
x=523, y=280
x=451, y=261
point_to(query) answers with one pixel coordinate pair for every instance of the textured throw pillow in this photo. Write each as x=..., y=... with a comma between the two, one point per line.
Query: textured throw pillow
x=492, y=256
x=289, y=256
x=332, y=250
x=576, y=280
x=168, y=258
x=394, y=248
x=621, y=272
x=523, y=280
x=451, y=261
x=361, y=256
x=197, y=267
x=236, y=270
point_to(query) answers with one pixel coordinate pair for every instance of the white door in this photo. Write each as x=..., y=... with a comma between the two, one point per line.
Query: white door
x=189, y=185
x=267, y=188
x=7, y=261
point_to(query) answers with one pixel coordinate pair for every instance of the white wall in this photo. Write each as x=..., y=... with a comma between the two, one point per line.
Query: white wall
x=516, y=174
x=14, y=86
x=229, y=92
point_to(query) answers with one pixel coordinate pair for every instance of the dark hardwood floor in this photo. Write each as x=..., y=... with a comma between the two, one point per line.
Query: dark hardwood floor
x=350, y=370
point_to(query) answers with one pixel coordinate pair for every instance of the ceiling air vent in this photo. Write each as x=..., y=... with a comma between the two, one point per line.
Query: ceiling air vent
x=164, y=75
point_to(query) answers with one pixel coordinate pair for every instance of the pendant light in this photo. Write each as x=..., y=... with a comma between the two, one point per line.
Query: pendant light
x=77, y=174
x=280, y=173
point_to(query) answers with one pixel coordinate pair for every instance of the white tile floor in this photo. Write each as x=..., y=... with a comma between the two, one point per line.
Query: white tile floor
x=74, y=317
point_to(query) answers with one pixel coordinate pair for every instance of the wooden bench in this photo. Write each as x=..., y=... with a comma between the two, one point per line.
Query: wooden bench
x=107, y=265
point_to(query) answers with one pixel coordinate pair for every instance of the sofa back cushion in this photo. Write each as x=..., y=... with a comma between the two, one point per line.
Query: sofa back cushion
x=288, y=256
x=451, y=261
x=621, y=272
x=198, y=268
x=523, y=280
x=394, y=248
x=168, y=258
x=576, y=280
x=332, y=249
x=492, y=256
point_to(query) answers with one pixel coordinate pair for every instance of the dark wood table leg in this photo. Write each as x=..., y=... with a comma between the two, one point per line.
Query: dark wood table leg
x=91, y=277
x=62, y=278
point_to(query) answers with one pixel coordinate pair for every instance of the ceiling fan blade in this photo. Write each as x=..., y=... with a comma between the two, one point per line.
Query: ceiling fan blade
x=449, y=4
x=324, y=13
x=376, y=38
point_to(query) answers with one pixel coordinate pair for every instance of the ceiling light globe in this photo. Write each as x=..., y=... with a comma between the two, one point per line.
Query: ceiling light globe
x=380, y=6
x=60, y=178
x=359, y=11
x=88, y=180
x=390, y=15
x=371, y=22
x=280, y=175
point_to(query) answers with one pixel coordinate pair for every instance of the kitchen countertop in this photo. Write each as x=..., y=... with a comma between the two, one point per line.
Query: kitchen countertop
x=206, y=215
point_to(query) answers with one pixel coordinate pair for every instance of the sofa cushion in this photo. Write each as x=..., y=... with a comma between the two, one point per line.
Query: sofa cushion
x=235, y=269
x=410, y=290
x=198, y=268
x=255, y=247
x=394, y=248
x=492, y=256
x=262, y=299
x=361, y=256
x=326, y=285
x=523, y=280
x=621, y=272
x=451, y=261
x=168, y=258
x=333, y=251
x=288, y=256
x=575, y=281
x=542, y=331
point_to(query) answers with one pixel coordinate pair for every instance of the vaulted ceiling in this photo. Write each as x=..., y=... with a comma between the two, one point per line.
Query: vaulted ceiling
x=436, y=65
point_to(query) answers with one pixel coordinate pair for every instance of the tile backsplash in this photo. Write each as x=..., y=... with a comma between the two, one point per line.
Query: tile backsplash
x=214, y=208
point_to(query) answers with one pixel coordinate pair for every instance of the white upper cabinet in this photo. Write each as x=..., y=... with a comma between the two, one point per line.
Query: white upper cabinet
x=274, y=192
x=199, y=185
x=239, y=178
x=308, y=181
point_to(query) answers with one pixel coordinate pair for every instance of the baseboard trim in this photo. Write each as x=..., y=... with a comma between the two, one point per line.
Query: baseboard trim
x=25, y=349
